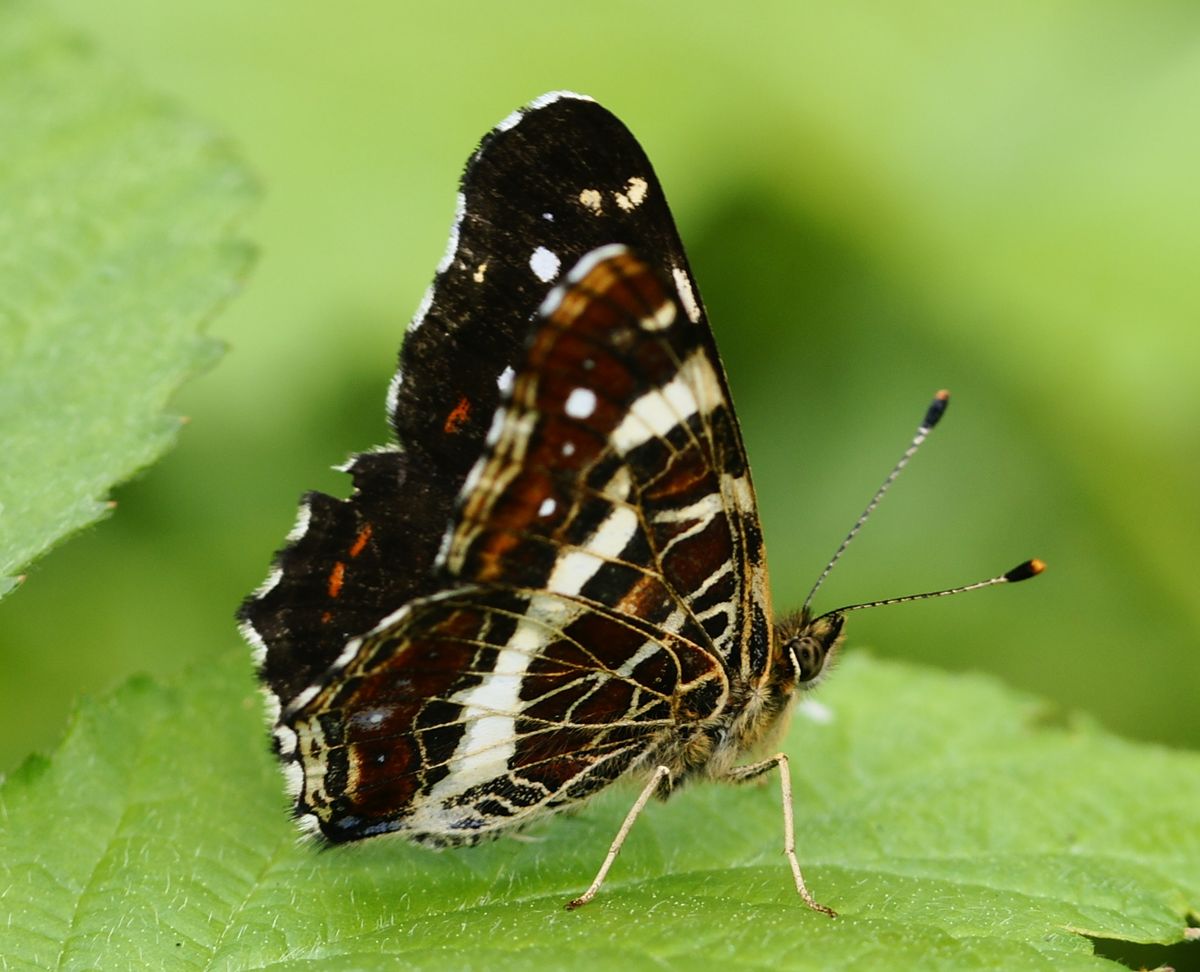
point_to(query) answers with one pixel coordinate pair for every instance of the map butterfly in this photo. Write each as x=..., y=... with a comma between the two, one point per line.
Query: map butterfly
x=556, y=578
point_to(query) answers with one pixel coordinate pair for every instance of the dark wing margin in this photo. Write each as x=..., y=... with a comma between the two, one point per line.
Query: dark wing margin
x=551, y=182
x=347, y=564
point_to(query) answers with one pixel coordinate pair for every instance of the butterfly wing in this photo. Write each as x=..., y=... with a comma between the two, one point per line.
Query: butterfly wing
x=615, y=472
x=552, y=182
x=613, y=589
x=549, y=184
x=474, y=710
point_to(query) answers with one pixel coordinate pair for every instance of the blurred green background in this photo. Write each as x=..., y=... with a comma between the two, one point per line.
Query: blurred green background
x=879, y=200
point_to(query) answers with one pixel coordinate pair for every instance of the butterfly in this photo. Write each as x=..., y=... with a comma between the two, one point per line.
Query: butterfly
x=555, y=578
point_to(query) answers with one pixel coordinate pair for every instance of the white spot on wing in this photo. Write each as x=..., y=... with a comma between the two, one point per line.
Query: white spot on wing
x=587, y=263
x=285, y=739
x=655, y=414
x=293, y=777
x=393, y=392
x=561, y=95
x=422, y=310
x=548, y=506
x=273, y=711
x=742, y=492
x=687, y=296
x=661, y=319
x=591, y=200
x=480, y=272
x=574, y=569
x=273, y=708
x=544, y=263
x=510, y=120
x=303, y=518
x=258, y=647
x=268, y=585
x=476, y=472
x=301, y=700
x=694, y=389
x=551, y=301
x=634, y=194
x=514, y=118
x=460, y=210
x=496, y=428
x=581, y=403
x=444, y=547
x=505, y=381
x=347, y=654
x=309, y=825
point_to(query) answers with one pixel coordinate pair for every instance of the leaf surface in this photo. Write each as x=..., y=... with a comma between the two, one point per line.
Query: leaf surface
x=115, y=248
x=949, y=820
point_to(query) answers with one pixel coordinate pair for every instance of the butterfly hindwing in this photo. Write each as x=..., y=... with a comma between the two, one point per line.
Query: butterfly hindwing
x=478, y=709
x=338, y=575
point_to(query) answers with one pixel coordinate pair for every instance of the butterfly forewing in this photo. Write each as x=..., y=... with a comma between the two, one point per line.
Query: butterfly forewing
x=551, y=183
x=604, y=603
x=548, y=185
x=615, y=473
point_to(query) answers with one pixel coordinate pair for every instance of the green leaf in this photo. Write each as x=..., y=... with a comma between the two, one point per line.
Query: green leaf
x=951, y=822
x=115, y=246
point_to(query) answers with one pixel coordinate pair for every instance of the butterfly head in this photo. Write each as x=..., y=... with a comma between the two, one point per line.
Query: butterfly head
x=809, y=644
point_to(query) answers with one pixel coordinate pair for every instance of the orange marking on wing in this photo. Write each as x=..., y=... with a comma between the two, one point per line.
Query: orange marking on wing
x=326, y=617
x=361, y=540
x=337, y=577
x=458, y=416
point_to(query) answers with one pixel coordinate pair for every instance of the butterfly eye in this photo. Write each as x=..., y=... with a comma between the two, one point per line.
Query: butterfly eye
x=809, y=658
x=811, y=648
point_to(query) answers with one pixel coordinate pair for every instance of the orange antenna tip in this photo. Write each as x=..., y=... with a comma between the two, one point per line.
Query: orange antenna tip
x=937, y=408
x=1031, y=568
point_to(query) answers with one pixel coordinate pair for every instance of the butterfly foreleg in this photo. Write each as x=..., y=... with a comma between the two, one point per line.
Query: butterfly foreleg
x=752, y=771
x=656, y=778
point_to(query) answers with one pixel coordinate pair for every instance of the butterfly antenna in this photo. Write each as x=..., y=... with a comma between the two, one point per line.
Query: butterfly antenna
x=933, y=415
x=1030, y=568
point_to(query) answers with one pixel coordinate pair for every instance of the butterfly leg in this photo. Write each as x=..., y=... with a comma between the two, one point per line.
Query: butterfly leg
x=744, y=774
x=660, y=773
